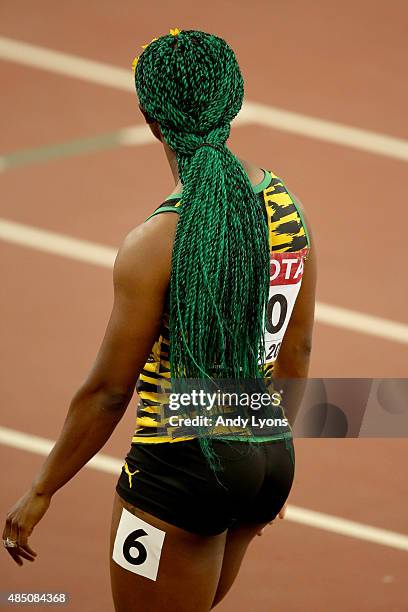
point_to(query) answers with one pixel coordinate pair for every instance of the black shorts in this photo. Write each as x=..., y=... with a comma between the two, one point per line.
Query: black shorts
x=174, y=482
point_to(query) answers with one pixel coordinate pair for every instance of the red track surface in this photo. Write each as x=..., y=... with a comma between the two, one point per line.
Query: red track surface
x=339, y=62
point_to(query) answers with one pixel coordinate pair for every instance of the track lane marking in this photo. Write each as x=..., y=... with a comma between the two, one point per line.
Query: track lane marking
x=135, y=135
x=57, y=244
x=328, y=131
x=345, y=527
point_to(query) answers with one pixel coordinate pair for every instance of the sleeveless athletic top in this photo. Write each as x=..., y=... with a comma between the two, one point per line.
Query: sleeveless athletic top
x=289, y=246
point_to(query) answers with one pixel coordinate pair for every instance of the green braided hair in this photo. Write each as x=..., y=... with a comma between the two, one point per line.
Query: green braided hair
x=192, y=86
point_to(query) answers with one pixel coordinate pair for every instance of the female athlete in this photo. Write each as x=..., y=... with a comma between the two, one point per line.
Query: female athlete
x=218, y=282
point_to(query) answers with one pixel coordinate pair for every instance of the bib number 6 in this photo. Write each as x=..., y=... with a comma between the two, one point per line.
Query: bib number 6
x=137, y=547
x=132, y=542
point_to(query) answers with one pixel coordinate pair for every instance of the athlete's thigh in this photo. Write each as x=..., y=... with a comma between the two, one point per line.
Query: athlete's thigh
x=237, y=542
x=188, y=572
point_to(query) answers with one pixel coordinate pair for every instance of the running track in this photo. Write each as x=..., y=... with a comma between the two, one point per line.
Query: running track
x=326, y=94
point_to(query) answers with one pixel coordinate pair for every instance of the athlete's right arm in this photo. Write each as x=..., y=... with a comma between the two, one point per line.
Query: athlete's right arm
x=292, y=364
x=140, y=277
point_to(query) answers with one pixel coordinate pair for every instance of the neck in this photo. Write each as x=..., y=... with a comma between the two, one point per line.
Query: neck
x=172, y=159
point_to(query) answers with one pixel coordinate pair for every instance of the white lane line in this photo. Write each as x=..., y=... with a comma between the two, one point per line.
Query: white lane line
x=42, y=446
x=57, y=244
x=362, y=322
x=352, y=529
x=97, y=254
x=329, y=131
x=303, y=516
x=120, y=78
x=66, y=64
x=135, y=135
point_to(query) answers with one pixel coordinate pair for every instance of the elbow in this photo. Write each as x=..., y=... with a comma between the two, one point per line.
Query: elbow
x=300, y=349
x=305, y=347
x=108, y=399
x=293, y=360
x=115, y=401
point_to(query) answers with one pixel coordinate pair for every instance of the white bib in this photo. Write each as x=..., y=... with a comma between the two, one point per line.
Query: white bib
x=286, y=272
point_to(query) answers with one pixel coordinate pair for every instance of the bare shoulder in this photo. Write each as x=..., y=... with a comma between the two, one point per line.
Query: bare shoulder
x=144, y=257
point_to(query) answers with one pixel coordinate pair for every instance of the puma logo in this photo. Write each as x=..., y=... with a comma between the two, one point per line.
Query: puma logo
x=129, y=473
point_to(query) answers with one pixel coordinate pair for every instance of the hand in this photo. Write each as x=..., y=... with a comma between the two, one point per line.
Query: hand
x=20, y=522
x=281, y=515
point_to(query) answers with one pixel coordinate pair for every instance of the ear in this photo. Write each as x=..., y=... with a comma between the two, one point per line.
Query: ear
x=153, y=125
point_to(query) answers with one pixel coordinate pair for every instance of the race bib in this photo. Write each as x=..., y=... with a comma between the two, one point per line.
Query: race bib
x=286, y=272
x=138, y=545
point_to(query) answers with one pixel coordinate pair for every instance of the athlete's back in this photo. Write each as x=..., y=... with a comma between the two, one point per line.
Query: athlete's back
x=289, y=239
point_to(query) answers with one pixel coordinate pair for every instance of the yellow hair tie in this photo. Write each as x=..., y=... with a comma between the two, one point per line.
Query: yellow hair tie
x=144, y=46
x=174, y=32
x=134, y=64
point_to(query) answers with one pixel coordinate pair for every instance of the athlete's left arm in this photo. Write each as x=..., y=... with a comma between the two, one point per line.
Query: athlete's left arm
x=140, y=278
x=292, y=364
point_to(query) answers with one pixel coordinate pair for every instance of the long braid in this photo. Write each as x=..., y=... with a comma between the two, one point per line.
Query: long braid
x=192, y=86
